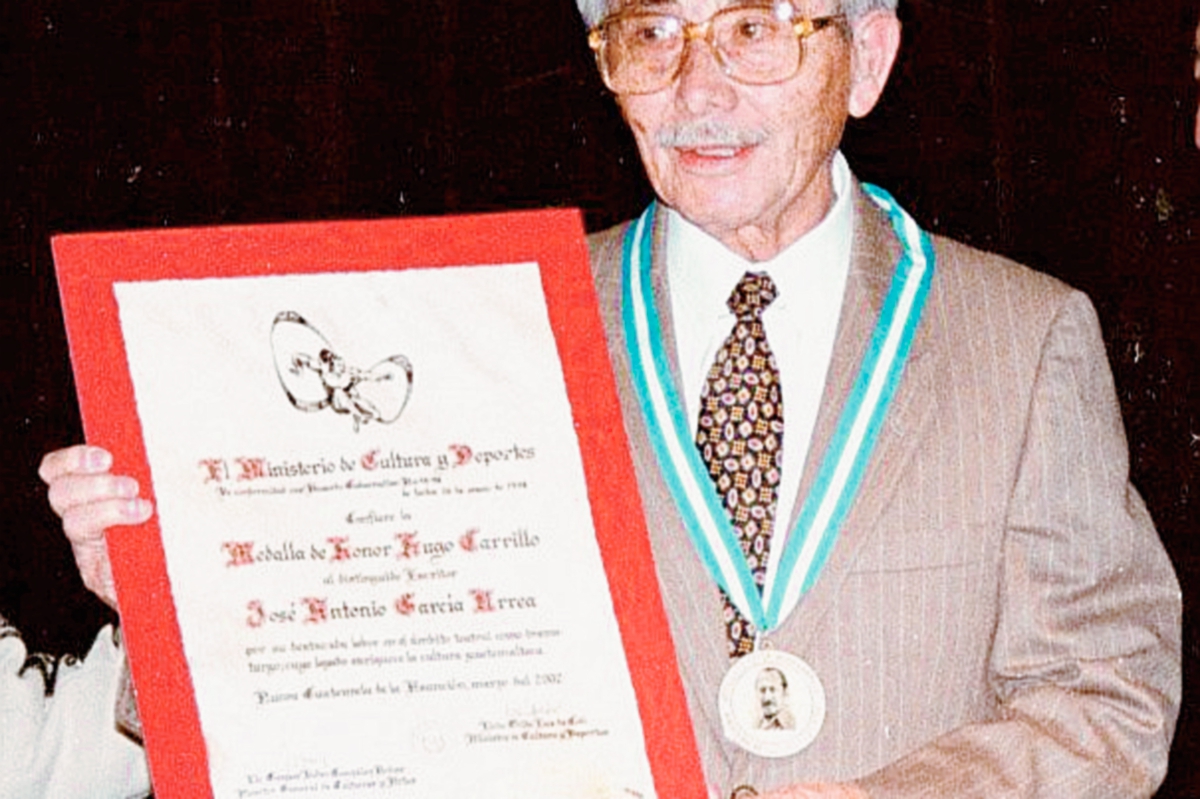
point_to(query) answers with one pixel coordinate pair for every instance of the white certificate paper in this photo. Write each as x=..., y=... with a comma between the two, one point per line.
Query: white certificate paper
x=378, y=537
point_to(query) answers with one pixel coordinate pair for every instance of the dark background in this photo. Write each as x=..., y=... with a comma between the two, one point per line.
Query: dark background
x=1054, y=131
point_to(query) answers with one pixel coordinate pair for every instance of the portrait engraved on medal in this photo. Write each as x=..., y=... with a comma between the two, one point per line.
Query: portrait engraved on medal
x=315, y=376
x=772, y=703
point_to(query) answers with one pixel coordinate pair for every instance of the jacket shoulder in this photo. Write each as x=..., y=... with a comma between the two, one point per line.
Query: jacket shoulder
x=605, y=246
x=967, y=277
x=605, y=249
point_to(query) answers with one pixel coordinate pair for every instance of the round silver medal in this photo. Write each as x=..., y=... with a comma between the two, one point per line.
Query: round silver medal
x=772, y=703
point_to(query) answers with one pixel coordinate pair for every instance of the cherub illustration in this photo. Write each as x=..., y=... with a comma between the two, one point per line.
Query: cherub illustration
x=341, y=384
x=315, y=377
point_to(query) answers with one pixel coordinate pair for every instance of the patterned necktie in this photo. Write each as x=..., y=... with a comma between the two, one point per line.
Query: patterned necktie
x=740, y=437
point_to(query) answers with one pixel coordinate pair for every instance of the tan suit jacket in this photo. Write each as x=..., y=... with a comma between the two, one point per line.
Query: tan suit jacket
x=998, y=617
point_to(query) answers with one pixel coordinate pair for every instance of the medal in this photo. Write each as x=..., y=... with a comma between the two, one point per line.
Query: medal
x=772, y=703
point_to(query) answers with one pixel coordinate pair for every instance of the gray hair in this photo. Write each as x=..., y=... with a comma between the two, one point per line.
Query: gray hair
x=594, y=10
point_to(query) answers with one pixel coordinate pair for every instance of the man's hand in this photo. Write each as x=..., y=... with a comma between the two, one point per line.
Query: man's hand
x=89, y=500
x=817, y=790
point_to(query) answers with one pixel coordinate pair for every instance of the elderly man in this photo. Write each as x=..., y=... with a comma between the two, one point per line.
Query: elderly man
x=913, y=467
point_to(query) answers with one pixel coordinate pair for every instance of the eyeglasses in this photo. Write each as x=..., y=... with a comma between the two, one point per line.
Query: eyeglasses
x=641, y=51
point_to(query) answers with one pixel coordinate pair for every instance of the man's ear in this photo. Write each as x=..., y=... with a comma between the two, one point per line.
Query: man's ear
x=876, y=40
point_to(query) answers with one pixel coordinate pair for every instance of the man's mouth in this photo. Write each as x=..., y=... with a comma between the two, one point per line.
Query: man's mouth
x=715, y=152
x=721, y=156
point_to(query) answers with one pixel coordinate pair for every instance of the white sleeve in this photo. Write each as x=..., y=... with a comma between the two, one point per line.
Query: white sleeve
x=65, y=745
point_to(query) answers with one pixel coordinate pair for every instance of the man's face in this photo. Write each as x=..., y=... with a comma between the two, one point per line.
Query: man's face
x=776, y=175
x=770, y=692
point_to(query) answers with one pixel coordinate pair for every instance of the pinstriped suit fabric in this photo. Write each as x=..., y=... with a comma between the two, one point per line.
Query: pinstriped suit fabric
x=998, y=617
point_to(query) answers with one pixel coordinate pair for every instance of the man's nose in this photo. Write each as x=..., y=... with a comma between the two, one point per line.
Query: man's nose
x=703, y=84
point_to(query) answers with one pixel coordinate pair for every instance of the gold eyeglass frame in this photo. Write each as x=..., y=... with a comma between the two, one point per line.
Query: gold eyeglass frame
x=803, y=27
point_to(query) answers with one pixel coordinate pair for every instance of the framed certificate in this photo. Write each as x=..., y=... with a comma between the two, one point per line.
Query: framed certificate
x=399, y=548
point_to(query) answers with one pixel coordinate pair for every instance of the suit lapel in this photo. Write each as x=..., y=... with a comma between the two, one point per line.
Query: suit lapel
x=700, y=634
x=873, y=259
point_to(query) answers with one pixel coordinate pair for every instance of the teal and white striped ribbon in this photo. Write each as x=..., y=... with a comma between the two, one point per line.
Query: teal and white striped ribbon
x=807, y=546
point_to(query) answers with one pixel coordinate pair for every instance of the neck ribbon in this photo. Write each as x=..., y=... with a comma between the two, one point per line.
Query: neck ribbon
x=808, y=545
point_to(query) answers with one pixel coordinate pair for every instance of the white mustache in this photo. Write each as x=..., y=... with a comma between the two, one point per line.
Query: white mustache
x=707, y=133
